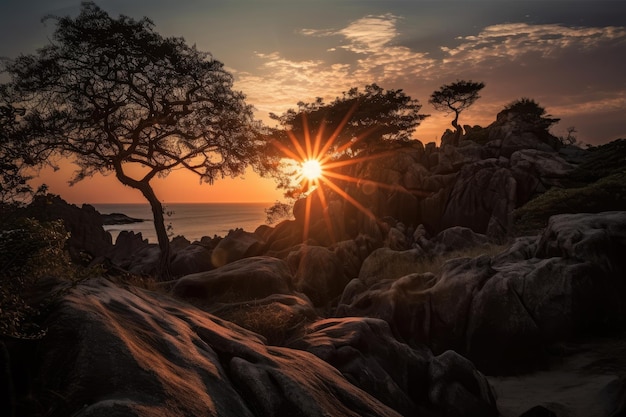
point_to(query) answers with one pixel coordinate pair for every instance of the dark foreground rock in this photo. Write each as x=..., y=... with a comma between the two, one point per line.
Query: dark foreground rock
x=114, y=351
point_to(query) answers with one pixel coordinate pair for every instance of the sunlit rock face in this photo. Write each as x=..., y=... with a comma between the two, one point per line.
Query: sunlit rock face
x=126, y=353
x=111, y=351
x=503, y=311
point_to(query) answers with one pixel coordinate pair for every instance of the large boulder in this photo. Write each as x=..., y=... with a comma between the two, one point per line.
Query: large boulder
x=482, y=198
x=284, y=236
x=190, y=260
x=353, y=252
x=134, y=254
x=456, y=239
x=237, y=244
x=411, y=381
x=536, y=171
x=318, y=273
x=242, y=280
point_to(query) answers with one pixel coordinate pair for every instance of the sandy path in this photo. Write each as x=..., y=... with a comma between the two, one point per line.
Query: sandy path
x=573, y=385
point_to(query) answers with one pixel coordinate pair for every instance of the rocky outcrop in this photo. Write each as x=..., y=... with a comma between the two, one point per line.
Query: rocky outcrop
x=476, y=184
x=87, y=239
x=412, y=382
x=503, y=311
x=482, y=198
x=237, y=244
x=137, y=353
x=318, y=273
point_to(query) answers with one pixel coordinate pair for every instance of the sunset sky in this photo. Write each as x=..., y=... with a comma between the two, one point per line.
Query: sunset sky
x=569, y=56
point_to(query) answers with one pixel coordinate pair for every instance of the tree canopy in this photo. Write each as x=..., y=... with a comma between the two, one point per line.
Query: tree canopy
x=14, y=159
x=352, y=123
x=530, y=111
x=454, y=98
x=119, y=98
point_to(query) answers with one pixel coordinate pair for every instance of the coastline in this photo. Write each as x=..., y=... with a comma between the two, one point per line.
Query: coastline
x=191, y=220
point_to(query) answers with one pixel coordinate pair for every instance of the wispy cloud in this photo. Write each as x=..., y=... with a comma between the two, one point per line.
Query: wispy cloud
x=376, y=59
x=515, y=40
x=368, y=50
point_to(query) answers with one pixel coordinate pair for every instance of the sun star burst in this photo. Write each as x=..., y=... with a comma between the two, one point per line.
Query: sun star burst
x=318, y=172
x=311, y=169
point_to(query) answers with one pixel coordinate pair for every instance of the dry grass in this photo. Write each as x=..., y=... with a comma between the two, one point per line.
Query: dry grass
x=434, y=263
x=274, y=321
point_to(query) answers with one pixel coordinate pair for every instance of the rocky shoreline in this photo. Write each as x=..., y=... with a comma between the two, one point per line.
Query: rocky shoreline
x=432, y=304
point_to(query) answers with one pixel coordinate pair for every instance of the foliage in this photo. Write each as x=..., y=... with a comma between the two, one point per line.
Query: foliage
x=278, y=211
x=29, y=250
x=601, y=161
x=530, y=111
x=606, y=194
x=571, y=138
x=274, y=321
x=454, y=98
x=13, y=160
x=352, y=123
x=120, y=98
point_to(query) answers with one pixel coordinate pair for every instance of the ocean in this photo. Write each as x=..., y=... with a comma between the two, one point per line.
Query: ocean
x=193, y=221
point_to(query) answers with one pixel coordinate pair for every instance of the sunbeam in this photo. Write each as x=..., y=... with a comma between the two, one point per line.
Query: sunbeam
x=316, y=170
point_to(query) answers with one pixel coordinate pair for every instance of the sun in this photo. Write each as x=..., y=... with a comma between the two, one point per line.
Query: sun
x=311, y=169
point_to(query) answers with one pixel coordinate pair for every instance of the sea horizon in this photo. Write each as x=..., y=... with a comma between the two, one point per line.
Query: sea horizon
x=190, y=220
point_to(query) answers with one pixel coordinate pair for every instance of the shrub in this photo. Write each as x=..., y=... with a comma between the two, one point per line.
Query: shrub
x=29, y=250
x=606, y=194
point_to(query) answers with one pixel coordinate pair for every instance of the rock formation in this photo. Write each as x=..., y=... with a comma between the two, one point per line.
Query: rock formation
x=503, y=311
x=112, y=350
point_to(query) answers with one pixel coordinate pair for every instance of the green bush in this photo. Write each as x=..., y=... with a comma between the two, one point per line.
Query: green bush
x=605, y=194
x=29, y=250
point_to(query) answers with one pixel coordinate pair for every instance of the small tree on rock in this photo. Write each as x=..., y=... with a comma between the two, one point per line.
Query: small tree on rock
x=119, y=98
x=529, y=111
x=454, y=98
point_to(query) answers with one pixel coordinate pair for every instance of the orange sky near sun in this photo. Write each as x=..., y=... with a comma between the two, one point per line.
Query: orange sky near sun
x=178, y=187
x=182, y=186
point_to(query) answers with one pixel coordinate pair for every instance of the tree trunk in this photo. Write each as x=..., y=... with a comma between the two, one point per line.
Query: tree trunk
x=459, y=130
x=163, y=272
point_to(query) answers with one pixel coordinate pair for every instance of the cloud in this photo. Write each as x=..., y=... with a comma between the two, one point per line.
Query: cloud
x=513, y=41
x=570, y=69
x=375, y=58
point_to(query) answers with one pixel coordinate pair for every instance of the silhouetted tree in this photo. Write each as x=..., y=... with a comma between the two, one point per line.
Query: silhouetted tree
x=14, y=159
x=454, y=98
x=120, y=98
x=530, y=111
x=356, y=121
